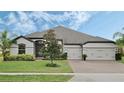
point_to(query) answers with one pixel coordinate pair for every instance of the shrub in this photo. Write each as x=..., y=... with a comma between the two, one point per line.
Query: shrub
x=52, y=65
x=29, y=57
x=10, y=58
x=118, y=56
x=1, y=55
x=60, y=57
x=64, y=56
x=84, y=56
x=20, y=57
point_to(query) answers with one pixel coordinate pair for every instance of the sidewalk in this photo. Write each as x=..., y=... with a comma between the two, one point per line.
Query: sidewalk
x=83, y=77
x=39, y=74
x=98, y=77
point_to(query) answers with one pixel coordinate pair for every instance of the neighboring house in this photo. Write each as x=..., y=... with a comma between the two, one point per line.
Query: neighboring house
x=73, y=42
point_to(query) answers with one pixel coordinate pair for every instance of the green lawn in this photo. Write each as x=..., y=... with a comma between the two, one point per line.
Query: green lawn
x=34, y=78
x=122, y=59
x=34, y=66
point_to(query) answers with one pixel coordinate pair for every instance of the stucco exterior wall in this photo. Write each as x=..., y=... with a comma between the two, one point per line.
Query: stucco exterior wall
x=59, y=41
x=14, y=49
x=72, y=46
x=29, y=47
x=99, y=45
x=36, y=39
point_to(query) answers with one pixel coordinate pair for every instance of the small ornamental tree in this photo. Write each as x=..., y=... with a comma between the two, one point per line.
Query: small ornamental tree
x=50, y=47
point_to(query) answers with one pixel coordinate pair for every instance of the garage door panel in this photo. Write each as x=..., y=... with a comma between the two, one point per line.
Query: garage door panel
x=74, y=52
x=100, y=54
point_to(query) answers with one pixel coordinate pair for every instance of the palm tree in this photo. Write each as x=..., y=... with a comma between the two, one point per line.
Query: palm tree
x=5, y=43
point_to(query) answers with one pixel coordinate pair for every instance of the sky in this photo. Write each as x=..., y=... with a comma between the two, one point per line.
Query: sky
x=96, y=23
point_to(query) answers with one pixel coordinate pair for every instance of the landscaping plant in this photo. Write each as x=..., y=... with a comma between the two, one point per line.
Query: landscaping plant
x=51, y=48
x=5, y=44
x=84, y=56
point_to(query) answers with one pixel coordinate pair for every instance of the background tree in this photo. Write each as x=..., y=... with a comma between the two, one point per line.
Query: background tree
x=119, y=39
x=5, y=43
x=51, y=48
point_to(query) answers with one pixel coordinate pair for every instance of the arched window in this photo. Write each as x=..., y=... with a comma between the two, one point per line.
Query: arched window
x=21, y=48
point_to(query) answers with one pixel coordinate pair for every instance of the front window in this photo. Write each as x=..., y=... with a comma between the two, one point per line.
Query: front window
x=21, y=49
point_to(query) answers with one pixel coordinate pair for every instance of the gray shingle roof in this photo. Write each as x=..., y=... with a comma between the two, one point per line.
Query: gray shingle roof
x=69, y=36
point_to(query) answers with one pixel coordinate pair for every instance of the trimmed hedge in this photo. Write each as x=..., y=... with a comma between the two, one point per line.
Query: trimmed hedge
x=20, y=57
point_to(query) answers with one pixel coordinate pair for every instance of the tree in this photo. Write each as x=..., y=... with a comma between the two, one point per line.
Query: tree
x=119, y=39
x=50, y=47
x=5, y=43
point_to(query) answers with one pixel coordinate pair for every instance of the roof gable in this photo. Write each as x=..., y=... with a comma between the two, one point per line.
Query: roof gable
x=24, y=38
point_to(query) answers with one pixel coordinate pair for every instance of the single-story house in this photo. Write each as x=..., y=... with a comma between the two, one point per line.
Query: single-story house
x=73, y=42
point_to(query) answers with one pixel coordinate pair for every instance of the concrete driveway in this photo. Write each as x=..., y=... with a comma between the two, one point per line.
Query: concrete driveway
x=79, y=66
x=97, y=71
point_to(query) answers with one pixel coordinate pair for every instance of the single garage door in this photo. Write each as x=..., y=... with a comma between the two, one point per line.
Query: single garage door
x=74, y=52
x=100, y=54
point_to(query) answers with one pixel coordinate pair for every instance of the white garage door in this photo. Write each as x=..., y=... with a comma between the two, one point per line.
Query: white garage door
x=74, y=52
x=100, y=54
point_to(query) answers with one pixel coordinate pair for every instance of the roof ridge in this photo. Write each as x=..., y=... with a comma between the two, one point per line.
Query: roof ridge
x=68, y=35
x=73, y=30
x=64, y=28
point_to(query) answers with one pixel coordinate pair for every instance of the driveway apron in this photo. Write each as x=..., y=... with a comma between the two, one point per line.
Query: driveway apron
x=97, y=71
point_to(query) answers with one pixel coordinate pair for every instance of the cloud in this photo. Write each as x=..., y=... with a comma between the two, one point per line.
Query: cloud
x=78, y=18
x=45, y=26
x=42, y=17
x=74, y=19
x=11, y=19
x=23, y=23
x=20, y=23
x=1, y=21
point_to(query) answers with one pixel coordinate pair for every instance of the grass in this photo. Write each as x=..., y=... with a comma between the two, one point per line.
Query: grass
x=34, y=66
x=34, y=78
x=122, y=60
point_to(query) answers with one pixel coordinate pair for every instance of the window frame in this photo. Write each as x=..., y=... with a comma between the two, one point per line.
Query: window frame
x=21, y=48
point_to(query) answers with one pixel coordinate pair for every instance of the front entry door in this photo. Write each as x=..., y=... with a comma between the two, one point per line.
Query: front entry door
x=38, y=46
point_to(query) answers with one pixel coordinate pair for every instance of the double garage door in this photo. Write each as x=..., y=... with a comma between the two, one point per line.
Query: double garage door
x=100, y=53
x=92, y=54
